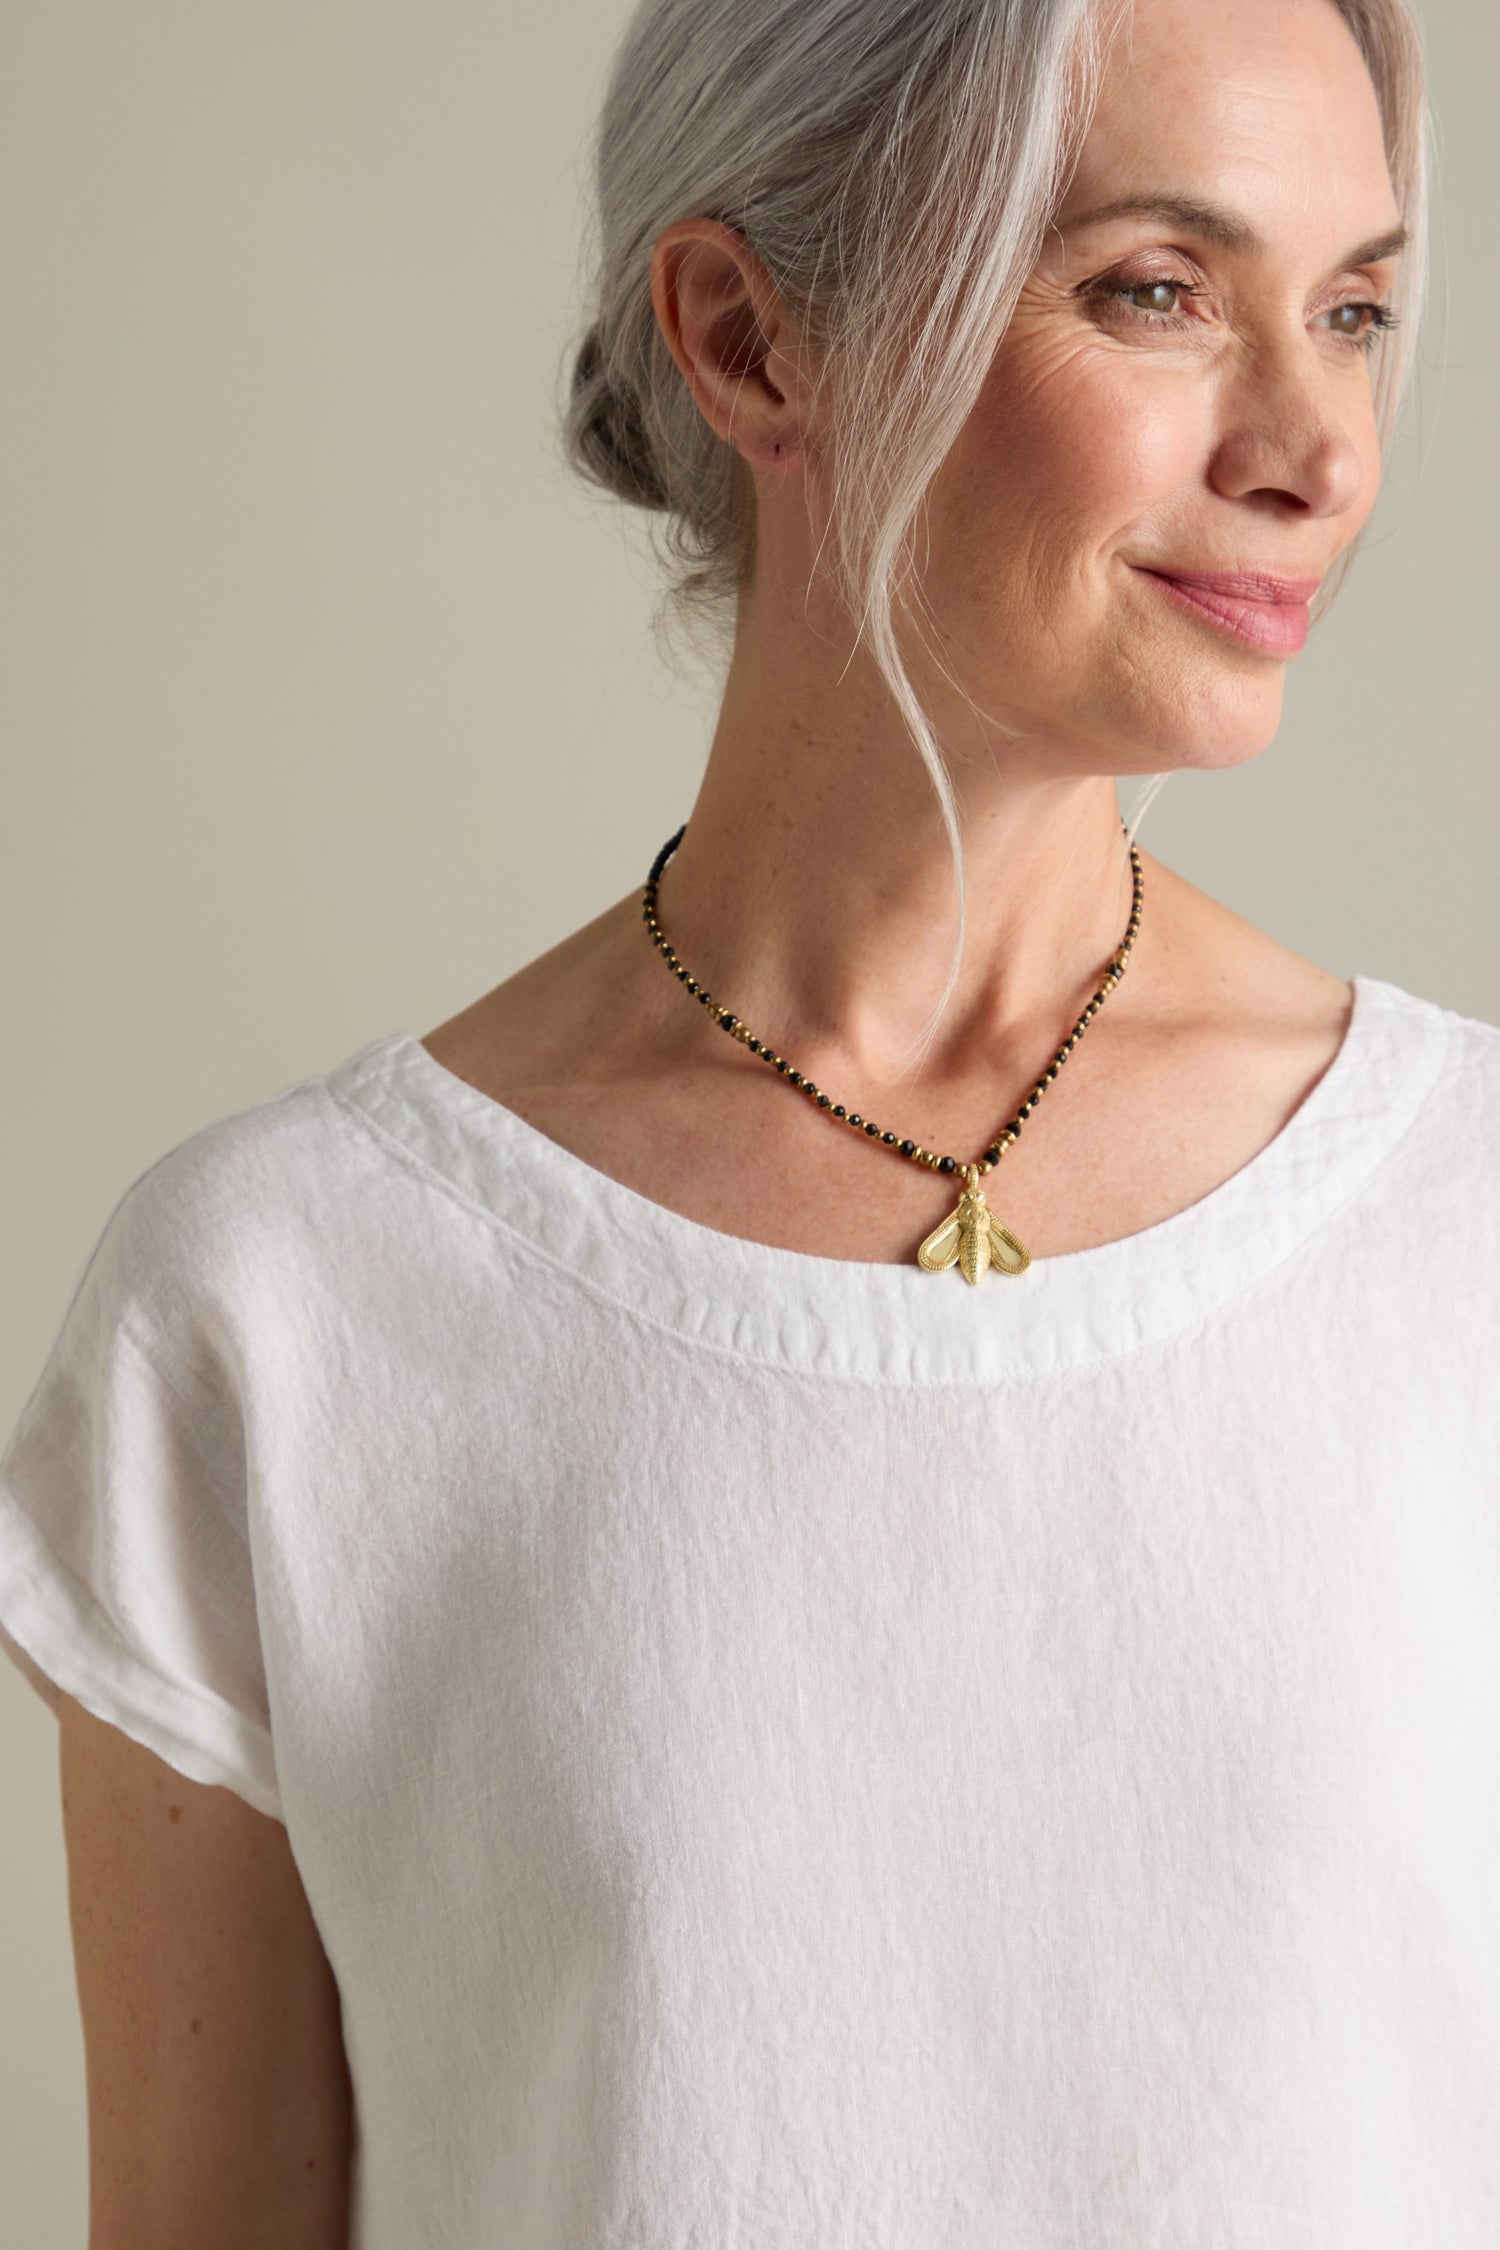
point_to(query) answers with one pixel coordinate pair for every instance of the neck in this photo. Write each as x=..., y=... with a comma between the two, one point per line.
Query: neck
x=814, y=890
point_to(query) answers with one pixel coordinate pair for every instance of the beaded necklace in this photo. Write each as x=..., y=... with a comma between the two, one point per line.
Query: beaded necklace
x=971, y=1237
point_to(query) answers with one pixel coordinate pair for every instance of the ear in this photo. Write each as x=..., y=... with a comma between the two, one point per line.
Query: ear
x=730, y=334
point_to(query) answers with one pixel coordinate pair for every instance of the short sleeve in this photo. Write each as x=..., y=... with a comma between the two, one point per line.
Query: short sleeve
x=125, y=1564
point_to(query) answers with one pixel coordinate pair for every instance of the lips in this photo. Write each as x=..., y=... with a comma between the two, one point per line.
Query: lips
x=1248, y=585
x=1259, y=610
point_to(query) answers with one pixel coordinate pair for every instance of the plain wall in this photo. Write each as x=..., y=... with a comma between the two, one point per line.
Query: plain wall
x=328, y=700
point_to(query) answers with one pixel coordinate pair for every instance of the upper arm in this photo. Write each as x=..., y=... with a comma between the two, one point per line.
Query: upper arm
x=219, y=2101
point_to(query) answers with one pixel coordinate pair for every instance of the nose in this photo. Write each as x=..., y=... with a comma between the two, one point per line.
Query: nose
x=1297, y=428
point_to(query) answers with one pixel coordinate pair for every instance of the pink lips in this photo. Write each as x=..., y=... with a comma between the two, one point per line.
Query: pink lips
x=1264, y=612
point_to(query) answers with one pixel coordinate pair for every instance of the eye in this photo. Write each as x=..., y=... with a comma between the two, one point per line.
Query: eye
x=1381, y=319
x=1114, y=292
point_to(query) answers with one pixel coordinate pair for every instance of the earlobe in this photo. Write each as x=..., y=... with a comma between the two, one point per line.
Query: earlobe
x=782, y=452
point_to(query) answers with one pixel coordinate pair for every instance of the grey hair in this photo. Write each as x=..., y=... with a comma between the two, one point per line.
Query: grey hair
x=895, y=164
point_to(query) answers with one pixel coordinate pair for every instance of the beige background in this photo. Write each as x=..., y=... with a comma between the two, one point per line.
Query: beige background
x=328, y=700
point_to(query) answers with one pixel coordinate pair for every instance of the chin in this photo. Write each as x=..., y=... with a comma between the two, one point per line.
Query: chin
x=1213, y=722
x=1217, y=757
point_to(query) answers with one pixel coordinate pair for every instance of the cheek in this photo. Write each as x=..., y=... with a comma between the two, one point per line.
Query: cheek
x=1063, y=456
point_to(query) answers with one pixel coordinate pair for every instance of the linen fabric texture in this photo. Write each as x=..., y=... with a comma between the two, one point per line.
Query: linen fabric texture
x=785, y=1752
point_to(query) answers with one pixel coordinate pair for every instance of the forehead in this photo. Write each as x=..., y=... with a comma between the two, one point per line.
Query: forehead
x=1265, y=105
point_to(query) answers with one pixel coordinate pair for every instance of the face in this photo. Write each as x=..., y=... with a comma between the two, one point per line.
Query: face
x=1168, y=400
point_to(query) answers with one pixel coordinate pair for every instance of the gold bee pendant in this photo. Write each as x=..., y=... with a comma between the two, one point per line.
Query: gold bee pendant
x=972, y=1238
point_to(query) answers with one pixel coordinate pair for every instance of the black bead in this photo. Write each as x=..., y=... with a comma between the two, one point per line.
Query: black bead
x=992, y=1155
x=665, y=854
x=908, y=1148
x=947, y=1164
x=889, y=1137
x=822, y=1101
x=753, y=1045
x=782, y=1065
x=795, y=1076
x=839, y=1110
x=855, y=1118
x=869, y=1128
x=728, y=1022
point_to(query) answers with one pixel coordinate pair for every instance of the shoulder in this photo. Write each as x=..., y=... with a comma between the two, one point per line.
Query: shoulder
x=1218, y=959
x=1426, y=1077
x=220, y=1213
x=1467, y=1083
x=1222, y=953
x=1292, y=1019
x=576, y=1018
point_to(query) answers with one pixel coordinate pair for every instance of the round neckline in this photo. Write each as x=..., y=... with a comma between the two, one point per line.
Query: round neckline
x=896, y=1323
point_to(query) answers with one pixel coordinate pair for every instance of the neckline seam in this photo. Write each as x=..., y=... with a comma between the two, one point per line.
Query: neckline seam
x=439, y=1101
x=430, y=1174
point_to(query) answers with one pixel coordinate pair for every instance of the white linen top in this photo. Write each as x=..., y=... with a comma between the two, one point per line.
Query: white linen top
x=792, y=1754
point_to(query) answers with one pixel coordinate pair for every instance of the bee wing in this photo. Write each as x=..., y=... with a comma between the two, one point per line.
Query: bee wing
x=941, y=1248
x=974, y=1253
x=1006, y=1252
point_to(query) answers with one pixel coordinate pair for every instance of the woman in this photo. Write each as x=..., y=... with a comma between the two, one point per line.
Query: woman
x=712, y=1728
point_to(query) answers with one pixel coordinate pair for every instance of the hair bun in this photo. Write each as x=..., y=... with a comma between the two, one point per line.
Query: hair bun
x=609, y=435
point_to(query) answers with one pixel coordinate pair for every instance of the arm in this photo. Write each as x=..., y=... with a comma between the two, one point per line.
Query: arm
x=219, y=2101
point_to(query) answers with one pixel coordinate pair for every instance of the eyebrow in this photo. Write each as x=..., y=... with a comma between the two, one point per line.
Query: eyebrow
x=1218, y=224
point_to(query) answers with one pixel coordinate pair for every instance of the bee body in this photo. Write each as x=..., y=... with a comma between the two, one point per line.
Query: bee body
x=972, y=1238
